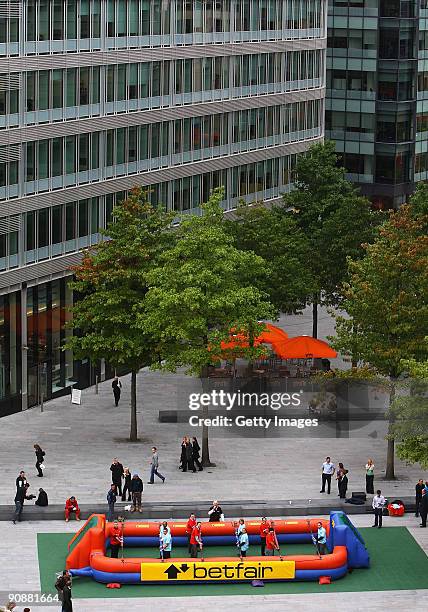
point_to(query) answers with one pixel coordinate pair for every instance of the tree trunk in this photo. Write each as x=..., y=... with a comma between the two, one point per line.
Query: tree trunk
x=390, y=454
x=205, y=444
x=315, y=316
x=206, y=462
x=133, y=435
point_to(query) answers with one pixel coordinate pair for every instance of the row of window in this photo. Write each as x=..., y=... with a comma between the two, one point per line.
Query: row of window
x=72, y=19
x=70, y=87
x=253, y=128
x=388, y=127
x=61, y=229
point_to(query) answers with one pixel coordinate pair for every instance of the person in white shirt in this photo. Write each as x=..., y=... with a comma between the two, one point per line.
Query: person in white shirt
x=327, y=471
x=378, y=504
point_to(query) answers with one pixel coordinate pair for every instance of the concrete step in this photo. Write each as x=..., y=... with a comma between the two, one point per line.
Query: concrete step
x=181, y=510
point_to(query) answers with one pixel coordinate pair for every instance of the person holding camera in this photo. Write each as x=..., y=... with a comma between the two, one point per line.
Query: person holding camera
x=215, y=513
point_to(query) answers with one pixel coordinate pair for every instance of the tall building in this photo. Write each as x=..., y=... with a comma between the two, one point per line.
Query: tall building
x=98, y=96
x=377, y=100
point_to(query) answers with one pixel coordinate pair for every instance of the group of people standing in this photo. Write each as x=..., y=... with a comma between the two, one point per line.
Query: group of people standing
x=190, y=454
x=269, y=545
x=22, y=487
x=328, y=469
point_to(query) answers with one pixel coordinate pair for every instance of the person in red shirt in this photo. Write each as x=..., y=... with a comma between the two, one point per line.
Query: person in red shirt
x=71, y=505
x=263, y=530
x=196, y=540
x=116, y=539
x=271, y=542
x=191, y=523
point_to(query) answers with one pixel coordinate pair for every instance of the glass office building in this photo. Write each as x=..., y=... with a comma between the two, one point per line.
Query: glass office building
x=377, y=94
x=98, y=96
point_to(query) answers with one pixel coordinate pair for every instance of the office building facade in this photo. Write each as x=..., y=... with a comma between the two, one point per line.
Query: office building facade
x=99, y=96
x=377, y=94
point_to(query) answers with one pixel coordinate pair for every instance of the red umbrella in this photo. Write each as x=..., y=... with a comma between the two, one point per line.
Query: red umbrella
x=304, y=347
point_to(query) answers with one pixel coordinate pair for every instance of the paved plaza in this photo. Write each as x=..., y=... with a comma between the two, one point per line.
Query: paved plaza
x=81, y=441
x=21, y=572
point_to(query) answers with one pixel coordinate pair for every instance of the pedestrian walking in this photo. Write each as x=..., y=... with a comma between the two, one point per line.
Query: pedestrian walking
x=189, y=456
x=423, y=507
x=136, y=492
x=320, y=540
x=61, y=582
x=215, y=512
x=370, y=476
x=191, y=523
x=342, y=480
x=21, y=480
x=327, y=470
x=126, y=484
x=196, y=543
x=42, y=498
x=117, y=389
x=183, y=455
x=116, y=469
x=72, y=505
x=19, y=504
x=196, y=452
x=378, y=504
x=418, y=494
x=263, y=531
x=116, y=539
x=67, y=604
x=40, y=454
x=111, y=500
x=154, y=464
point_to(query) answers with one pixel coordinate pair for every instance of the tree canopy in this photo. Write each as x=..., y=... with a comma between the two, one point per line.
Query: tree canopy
x=111, y=284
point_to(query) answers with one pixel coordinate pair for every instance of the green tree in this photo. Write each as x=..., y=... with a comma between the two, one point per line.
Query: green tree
x=111, y=281
x=334, y=217
x=410, y=415
x=278, y=239
x=386, y=302
x=199, y=291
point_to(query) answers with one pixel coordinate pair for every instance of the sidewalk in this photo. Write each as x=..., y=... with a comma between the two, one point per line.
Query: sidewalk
x=81, y=441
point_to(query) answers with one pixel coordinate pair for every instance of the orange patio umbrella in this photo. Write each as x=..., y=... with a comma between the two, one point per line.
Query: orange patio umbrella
x=272, y=334
x=304, y=347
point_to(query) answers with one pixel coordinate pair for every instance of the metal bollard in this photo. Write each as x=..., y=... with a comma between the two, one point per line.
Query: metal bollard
x=96, y=384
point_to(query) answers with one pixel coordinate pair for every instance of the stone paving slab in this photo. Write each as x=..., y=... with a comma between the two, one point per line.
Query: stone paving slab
x=81, y=441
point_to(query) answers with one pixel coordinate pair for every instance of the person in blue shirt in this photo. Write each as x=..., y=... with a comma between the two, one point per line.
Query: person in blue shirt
x=163, y=526
x=243, y=542
x=166, y=544
x=321, y=540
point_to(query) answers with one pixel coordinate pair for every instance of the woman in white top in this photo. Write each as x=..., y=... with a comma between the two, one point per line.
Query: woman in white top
x=369, y=476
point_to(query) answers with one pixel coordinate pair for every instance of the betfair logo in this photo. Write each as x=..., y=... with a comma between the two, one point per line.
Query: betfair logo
x=205, y=571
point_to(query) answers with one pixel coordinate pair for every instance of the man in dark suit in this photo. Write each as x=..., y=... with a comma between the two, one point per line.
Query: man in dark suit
x=116, y=469
x=423, y=508
x=418, y=494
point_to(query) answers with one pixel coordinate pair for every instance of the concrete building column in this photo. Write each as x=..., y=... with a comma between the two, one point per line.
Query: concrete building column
x=24, y=348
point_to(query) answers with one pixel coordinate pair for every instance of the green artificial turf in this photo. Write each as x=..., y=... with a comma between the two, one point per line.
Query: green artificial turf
x=397, y=562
